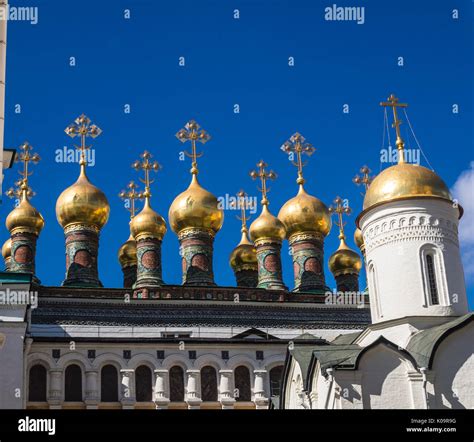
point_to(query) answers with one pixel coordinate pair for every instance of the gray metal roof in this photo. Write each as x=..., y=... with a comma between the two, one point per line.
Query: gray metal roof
x=423, y=344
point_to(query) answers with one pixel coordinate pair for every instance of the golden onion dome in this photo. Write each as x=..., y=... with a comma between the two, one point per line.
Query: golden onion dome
x=7, y=249
x=305, y=213
x=267, y=226
x=148, y=223
x=195, y=208
x=127, y=253
x=244, y=256
x=344, y=260
x=403, y=181
x=358, y=238
x=24, y=218
x=82, y=203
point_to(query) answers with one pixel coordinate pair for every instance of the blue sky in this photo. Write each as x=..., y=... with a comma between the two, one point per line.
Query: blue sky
x=227, y=62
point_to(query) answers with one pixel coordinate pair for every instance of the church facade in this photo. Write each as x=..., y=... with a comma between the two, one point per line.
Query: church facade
x=417, y=352
x=152, y=345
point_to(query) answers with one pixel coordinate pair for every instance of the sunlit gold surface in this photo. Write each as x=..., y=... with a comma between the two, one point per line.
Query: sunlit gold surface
x=267, y=226
x=7, y=249
x=244, y=256
x=127, y=253
x=197, y=208
x=305, y=213
x=344, y=260
x=148, y=223
x=405, y=181
x=358, y=238
x=82, y=203
x=24, y=218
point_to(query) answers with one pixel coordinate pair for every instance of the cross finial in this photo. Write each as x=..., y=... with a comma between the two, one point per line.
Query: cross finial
x=241, y=203
x=83, y=128
x=365, y=179
x=193, y=132
x=146, y=165
x=297, y=145
x=340, y=208
x=394, y=104
x=25, y=156
x=131, y=194
x=264, y=176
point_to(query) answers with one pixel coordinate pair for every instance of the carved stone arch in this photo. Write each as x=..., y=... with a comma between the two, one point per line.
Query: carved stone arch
x=40, y=358
x=273, y=361
x=209, y=359
x=176, y=359
x=108, y=359
x=33, y=360
x=76, y=358
x=242, y=359
x=143, y=359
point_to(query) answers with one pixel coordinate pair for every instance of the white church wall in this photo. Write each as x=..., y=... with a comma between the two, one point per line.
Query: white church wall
x=294, y=387
x=348, y=391
x=384, y=379
x=12, y=385
x=453, y=370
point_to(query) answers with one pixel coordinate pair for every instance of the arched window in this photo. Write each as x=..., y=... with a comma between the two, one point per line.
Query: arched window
x=242, y=384
x=37, y=384
x=208, y=384
x=109, y=384
x=373, y=290
x=176, y=384
x=143, y=384
x=276, y=374
x=433, y=288
x=73, y=384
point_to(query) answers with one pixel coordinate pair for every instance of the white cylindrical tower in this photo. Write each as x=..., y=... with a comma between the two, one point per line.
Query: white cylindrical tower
x=410, y=232
x=3, y=61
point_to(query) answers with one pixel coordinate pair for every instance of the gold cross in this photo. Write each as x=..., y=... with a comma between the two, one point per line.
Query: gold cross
x=26, y=156
x=146, y=165
x=241, y=203
x=83, y=128
x=297, y=144
x=394, y=104
x=339, y=209
x=264, y=176
x=365, y=179
x=193, y=132
x=132, y=195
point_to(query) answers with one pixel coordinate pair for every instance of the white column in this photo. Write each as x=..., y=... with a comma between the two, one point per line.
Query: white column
x=193, y=395
x=128, y=388
x=261, y=401
x=226, y=389
x=55, y=395
x=3, y=64
x=161, y=388
x=92, y=391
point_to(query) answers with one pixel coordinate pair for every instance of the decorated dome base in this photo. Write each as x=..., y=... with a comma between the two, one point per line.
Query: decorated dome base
x=82, y=248
x=149, y=269
x=307, y=252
